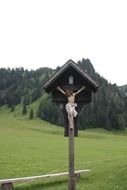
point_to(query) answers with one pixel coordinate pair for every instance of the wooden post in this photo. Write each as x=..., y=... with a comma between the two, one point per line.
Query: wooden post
x=72, y=184
x=7, y=186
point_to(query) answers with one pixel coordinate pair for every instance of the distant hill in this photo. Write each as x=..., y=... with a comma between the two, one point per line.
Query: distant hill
x=123, y=90
x=108, y=108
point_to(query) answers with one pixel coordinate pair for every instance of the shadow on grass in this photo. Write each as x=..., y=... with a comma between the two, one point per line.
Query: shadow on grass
x=42, y=185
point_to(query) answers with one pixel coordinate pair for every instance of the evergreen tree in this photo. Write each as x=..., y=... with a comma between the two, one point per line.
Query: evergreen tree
x=13, y=108
x=31, y=116
x=24, y=111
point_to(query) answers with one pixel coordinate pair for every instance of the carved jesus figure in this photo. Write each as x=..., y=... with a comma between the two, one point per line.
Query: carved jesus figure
x=70, y=106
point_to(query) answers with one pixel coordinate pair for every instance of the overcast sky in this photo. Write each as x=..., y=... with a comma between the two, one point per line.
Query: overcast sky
x=46, y=33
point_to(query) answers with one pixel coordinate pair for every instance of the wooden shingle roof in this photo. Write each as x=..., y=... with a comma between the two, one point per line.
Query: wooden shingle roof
x=66, y=66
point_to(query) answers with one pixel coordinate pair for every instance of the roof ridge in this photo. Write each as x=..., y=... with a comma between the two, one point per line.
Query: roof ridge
x=64, y=67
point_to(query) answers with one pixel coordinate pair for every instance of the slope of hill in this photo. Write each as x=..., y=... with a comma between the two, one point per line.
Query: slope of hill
x=35, y=147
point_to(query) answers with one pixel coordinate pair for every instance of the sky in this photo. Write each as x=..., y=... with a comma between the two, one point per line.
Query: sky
x=47, y=33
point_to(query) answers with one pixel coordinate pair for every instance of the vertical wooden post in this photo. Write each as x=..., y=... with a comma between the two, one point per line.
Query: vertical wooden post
x=7, y=186
x=72, y=184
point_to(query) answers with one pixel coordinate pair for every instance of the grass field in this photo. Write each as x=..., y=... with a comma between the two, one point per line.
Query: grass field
x=34, y=147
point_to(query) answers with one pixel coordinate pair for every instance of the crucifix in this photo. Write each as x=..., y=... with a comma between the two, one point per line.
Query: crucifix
x=71, y=89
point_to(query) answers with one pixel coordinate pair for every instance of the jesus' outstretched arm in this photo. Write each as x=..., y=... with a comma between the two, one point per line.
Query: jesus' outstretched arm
x=58, y=88
x=80, y=90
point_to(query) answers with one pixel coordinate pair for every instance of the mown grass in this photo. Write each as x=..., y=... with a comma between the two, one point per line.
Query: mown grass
x=34, y=147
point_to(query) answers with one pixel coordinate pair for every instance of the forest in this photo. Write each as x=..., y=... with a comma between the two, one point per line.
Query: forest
x=108, y=108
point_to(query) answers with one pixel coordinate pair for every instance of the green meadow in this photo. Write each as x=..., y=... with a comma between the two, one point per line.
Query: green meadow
x=35, y=147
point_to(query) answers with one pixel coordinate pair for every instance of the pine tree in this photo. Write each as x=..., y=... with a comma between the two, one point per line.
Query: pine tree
x=31, y=116
x=24, y=111
x=13, y=108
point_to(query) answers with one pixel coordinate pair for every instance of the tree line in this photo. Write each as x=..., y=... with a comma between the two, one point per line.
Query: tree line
x=108, y=108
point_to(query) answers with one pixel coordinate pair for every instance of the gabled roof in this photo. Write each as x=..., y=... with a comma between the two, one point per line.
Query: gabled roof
x=71, y=63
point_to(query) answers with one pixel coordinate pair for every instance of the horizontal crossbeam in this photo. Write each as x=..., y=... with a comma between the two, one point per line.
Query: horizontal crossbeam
x=13, y=180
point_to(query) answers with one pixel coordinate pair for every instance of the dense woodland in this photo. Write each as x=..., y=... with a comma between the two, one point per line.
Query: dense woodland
x=108, y=108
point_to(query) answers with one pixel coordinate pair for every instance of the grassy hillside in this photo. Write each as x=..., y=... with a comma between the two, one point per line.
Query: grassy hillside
x=34, y=147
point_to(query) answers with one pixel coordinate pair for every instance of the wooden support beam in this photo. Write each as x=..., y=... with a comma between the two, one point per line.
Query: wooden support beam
x=71, y=183
x=23, y=179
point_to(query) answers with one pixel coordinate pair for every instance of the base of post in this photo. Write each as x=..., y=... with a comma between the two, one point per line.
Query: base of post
x=7, y=186
x=72, y=185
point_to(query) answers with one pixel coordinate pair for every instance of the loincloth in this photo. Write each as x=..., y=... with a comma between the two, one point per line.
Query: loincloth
x=70, y=108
